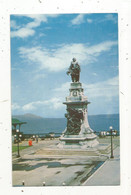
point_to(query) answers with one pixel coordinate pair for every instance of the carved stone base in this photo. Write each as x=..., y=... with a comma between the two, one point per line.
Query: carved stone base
x=78, y=133
x=77, y=142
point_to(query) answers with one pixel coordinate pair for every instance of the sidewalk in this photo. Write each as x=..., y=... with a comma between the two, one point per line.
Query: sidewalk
x=108, y=173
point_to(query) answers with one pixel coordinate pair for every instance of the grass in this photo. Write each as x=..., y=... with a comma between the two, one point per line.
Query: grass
x=15, y=148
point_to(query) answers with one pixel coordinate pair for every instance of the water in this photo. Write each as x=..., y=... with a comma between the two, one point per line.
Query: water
x=57, y=125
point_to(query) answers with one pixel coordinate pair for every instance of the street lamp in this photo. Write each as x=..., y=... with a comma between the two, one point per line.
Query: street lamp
x=17, y=137
x=111, y=142
x=33, y=137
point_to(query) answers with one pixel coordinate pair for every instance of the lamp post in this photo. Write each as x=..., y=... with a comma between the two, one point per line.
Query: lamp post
x=33, y=137
x=111, y=142
x=17, y=137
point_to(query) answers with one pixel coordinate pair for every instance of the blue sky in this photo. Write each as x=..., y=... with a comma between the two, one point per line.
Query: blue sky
x=42, y=47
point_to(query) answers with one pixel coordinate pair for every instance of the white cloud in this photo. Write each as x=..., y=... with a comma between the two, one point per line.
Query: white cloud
x=59, y=58
x=106, y=89
x=15, y=106
x=102, y=47
x=23, y=32
x=41, y=34
x=104, y=96
x=41, y=17
x=111, y=18
x=13, y=24
x=94, y=74
x=63, y=88
x=62, y=92
x=108, y=17
x=78, y=19
x=103, y=93
x=89, y=20
x=36, y=17
x=53, y=103
x=28, y=29
x=38, y=76
x=29, y=106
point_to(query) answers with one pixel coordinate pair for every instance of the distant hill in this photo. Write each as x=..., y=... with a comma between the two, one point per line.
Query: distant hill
x=36, y=124
x=28, y=116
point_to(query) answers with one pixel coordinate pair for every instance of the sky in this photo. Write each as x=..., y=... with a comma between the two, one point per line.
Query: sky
x=42, y=47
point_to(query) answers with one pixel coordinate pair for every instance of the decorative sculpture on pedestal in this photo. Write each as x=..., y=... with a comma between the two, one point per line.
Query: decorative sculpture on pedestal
x=78, y=133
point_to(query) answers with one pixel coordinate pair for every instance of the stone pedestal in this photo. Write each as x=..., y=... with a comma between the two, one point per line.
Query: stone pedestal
x=78, y=133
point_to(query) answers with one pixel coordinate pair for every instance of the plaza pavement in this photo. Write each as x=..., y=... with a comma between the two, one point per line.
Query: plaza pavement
x=44, y=162
x=108, y=173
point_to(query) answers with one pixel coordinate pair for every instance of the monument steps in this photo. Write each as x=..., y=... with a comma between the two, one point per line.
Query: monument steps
x=108, y=149
x=70, y=152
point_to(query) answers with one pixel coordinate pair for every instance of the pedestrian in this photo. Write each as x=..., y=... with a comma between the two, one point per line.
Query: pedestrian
x=36, y=138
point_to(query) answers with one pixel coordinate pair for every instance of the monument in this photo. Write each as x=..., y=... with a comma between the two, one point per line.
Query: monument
x=78, y=133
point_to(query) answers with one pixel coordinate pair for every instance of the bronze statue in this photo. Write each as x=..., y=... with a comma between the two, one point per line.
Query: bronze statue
x=74, y=70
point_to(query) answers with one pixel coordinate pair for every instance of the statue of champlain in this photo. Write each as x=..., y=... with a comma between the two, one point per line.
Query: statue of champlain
x=74, y=70
x=78, y=133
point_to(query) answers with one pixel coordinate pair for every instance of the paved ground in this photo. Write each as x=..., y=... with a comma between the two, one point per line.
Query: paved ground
x=44, y=162
x=108, y=173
